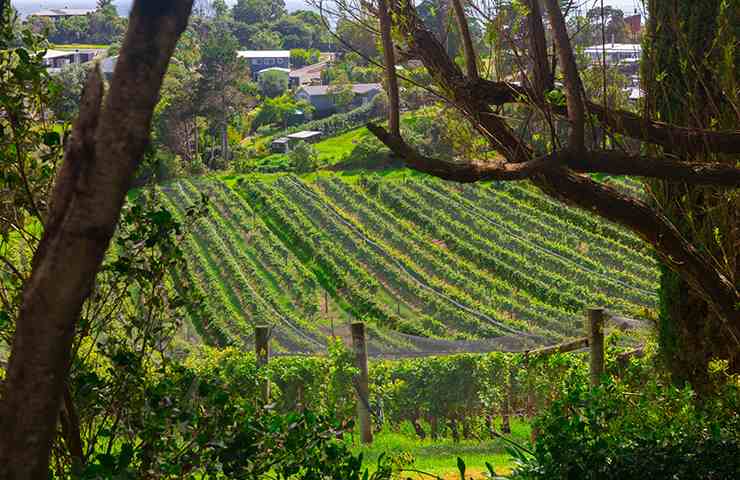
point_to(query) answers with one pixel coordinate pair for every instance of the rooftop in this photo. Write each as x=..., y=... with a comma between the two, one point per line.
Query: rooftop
x=57, y=54
x=313, y=69
x=273, y=69
x=263, y=53
x=358, y=88
x=304, y=134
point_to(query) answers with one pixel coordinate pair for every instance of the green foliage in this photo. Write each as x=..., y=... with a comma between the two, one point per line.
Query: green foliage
x=256, y=11
x=103, y=26
x=69, y=84
x=280, y=111
x=303, y=157
x=266, y=40
x=273, y=83
x=628, y=429
x=300, y=57
x=341, y=122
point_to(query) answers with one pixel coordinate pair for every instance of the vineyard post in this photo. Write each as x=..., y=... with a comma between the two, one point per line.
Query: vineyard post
x=508, y=401
x=595, y=327
x=359, y=347
x=262, y=349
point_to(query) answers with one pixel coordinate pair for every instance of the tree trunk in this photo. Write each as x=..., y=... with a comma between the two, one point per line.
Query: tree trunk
x=107, y=145
x=454, y=430
x=680, y=34
x=418, y=428
x=434, y=425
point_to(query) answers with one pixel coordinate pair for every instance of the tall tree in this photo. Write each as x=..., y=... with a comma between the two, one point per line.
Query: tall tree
x=223, y=89
x=690, y=79
x=108, y=142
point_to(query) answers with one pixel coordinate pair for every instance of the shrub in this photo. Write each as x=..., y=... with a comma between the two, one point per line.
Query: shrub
x=303, y=157
x=300, y=57
x=273, y=83
x=621, y=430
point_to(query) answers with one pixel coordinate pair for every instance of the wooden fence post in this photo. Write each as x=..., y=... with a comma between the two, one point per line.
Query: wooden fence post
x=595, y=327
x=262, y=349
x=362, y=388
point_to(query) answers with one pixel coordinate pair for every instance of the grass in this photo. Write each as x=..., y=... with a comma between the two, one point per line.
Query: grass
x=440, y=457
x=331, y=150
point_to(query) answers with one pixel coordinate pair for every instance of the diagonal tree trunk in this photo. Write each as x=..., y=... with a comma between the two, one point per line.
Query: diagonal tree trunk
x=108, y=142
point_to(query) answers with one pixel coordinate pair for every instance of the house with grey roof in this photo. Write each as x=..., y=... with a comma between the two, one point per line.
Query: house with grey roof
x=322, y=98
x=308, y=75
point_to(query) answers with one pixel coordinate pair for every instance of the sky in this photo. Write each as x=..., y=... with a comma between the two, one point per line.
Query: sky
x=29, y=6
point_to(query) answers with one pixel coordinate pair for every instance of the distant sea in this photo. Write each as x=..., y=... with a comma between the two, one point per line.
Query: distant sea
x=27, y=7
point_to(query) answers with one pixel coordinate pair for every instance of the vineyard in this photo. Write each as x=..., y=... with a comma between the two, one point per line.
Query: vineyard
x=430, y=266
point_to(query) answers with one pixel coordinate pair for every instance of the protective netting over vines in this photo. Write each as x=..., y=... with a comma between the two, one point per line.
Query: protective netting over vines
x=431, y=267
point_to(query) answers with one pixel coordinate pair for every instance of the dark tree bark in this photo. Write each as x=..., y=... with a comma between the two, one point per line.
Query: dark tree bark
x=686, y=33
x=108, y=142
x=390, y=67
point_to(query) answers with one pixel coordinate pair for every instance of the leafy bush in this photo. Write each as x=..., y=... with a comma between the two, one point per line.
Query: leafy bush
x=273, y=83
x=303, y=157
x=343, y=122
x=300, y=57
x=623, y=429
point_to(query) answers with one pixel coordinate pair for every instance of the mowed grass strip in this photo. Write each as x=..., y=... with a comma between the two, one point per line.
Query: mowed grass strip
x=439, y=457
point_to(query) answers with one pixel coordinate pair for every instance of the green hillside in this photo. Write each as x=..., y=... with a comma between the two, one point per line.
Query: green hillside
x=429, y=265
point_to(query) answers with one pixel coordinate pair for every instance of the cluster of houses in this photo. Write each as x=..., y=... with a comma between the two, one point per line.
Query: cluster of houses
x=306, y=81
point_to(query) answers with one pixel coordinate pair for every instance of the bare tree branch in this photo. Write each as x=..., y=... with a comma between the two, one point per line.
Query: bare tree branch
x=672, y=137
x=543, y=80
x=471, y=59
x=597, y=161
x=390, y=67
x=463, y=172
x=573, y=90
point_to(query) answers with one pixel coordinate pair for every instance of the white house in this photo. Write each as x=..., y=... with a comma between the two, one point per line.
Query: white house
x=261, y=59
x=616, y=53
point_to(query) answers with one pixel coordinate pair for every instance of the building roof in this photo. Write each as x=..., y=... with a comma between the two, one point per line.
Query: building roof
x=263, y=53
x=309, y=70
x=273, y=69
x=358, y=88
x=304, y=134
x=57, y=54
x=63, y=12
x=615, y=47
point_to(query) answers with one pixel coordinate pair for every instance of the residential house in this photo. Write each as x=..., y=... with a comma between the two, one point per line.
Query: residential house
x=55, y=60
x=308, y=75
x=56, y=14
x=261, y=59
x=615, y=53
x=320, y=96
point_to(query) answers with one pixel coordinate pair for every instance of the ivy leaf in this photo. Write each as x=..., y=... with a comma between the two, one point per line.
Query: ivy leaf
x=461, y=468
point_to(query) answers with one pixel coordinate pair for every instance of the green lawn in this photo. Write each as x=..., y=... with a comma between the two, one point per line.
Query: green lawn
x=331, y=150
x=440, y=457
